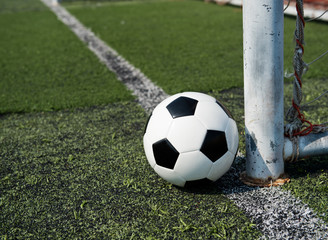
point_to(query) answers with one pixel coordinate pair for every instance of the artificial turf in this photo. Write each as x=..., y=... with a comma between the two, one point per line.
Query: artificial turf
x=308, y=176
x=194, y=46
x=82, y=174
x=188, y=45
x=309, y=183
x=9, y=6
x=44, y=67
x=180, y=45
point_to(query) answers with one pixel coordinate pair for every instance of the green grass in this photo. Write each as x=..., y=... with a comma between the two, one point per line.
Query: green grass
x=315, y=34
x=308, y=176
x=194, y=46
x=309, y=183
x=44, y=67
x=180, y=45
x=10, y=6
x=82, y=174
x=188, y=45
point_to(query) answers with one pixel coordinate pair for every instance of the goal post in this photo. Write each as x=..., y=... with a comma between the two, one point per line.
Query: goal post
x=263, y=39
x=266, y=146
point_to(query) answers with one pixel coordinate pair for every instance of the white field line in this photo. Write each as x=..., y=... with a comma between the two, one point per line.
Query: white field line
x=276, y=213
x=148, y=94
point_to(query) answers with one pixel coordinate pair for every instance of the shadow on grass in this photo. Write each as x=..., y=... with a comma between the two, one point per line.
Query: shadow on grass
x=313, y=166
x=203, y=186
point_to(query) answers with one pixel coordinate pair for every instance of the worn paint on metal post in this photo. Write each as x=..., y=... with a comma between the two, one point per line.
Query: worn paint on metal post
x=263, y=28
x=314, y=144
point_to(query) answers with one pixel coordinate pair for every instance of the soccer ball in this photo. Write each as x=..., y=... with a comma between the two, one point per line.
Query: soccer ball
x=190, y=137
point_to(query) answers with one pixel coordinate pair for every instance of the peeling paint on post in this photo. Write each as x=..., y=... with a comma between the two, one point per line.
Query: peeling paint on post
x=263, y=28
x=314, y=144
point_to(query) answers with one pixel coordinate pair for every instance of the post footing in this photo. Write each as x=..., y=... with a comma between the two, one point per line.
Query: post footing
x=254, y=182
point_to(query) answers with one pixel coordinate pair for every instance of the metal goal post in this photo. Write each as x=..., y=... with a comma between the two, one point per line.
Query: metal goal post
x=266, y=146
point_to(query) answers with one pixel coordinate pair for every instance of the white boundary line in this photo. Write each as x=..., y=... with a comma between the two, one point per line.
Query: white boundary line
x=277, y=213
x=148, y=94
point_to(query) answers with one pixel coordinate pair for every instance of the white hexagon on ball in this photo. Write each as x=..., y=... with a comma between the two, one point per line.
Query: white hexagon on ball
x=193, y=165
x=212, y=115
x=186, y=134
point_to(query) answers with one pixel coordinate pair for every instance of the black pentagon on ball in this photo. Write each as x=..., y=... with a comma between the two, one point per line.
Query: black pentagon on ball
x=182, y=106
x=214, y=145
x=165, y=154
